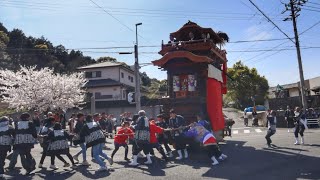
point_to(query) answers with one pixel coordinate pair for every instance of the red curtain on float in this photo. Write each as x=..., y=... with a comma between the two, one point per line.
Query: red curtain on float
x=224, y=78
x=214, y=104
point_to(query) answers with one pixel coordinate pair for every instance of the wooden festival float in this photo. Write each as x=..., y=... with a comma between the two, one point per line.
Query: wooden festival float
x=196, y=73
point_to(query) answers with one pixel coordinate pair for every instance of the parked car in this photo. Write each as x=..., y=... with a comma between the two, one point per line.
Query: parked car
x=258, y=108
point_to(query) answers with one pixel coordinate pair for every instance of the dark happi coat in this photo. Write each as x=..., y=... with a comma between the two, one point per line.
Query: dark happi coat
x=92, y=134
x=58, y=142
x=6, y=136
x=25, y=135
x=142, y=130
x=176, y=122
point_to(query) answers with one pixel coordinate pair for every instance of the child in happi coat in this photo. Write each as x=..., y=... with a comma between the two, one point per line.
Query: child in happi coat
x=58, y=145
x=6, y=135
x=206, y=138
x=121, y=138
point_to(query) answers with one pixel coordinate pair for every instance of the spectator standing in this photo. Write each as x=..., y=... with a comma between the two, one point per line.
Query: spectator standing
x=110, y=125
x=288, y=115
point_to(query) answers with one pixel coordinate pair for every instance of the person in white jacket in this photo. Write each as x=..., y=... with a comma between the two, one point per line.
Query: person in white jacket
x=300, y=125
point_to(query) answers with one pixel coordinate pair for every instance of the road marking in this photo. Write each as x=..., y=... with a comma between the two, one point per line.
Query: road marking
x=258, y=130
x=246, y=131
x=235, y=132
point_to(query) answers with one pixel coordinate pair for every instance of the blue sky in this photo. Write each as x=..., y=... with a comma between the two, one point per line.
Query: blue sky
x=80, y=24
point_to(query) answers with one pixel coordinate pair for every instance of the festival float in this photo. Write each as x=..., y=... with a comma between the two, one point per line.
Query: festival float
x=196, y=73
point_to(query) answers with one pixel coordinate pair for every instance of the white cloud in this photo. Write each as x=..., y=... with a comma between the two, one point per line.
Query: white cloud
x=256, y=33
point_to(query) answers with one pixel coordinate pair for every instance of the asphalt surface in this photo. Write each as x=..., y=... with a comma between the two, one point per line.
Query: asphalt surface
x=248, y=158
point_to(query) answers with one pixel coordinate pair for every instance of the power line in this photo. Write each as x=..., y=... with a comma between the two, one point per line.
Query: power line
x=272, y=49
x=154, y=52
x=258, y=40
x=310, y=28
x=283, y=42
x=130, y=9
x=307, y=9
x=252, y=58
x=311, y=7
x=314, y=3
x=270, y=20
x=111, y=15
x=143, y=14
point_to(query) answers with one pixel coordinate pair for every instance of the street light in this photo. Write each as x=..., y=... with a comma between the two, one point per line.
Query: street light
x=136, y=71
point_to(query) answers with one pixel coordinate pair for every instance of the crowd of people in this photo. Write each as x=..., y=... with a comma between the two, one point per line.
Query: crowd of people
x=90, y=131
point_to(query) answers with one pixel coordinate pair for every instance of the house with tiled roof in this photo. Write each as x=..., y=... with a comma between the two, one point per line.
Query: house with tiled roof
x=109, y=81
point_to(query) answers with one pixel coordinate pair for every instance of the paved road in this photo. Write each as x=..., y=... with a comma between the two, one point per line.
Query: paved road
x=248, y=159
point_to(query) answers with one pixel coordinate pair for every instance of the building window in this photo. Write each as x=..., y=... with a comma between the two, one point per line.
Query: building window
x=131, y=79
x=93, y=74
x=124, y=94
x=98, y=73
x=88, y=74
x=122, y=75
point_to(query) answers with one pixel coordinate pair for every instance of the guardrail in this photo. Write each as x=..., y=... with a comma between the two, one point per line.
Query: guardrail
x=313, y=122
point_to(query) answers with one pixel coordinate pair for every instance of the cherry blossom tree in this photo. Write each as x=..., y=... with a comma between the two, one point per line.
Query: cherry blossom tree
x=41, y=89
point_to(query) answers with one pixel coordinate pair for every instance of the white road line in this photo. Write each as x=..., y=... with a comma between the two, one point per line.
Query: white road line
x=246, y=131
x=235, y=132
x=258, y=130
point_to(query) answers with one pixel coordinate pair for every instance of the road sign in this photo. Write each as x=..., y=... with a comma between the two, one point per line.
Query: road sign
x=131, y=97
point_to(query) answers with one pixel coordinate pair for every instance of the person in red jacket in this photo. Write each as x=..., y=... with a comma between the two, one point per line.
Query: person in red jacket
x=154, y=130
x=121, y=139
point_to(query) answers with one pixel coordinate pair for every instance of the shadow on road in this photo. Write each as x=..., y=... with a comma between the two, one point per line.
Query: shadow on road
x=43, y=173
x=155, y=169
x=270, y=163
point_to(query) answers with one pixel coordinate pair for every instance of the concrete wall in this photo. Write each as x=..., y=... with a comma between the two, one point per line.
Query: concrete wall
x=125, y=79
x=294, y=92
x=107, y=72
x=314, y=82
x=115, y=91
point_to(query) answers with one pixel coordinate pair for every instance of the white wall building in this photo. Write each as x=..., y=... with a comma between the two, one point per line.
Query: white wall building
x=314, y=86
x=109, y=81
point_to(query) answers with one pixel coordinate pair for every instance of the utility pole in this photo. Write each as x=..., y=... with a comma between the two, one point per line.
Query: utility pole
x=137, y=72
x=294, y=8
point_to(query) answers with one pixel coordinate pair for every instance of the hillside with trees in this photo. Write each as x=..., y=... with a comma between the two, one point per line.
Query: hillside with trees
x=17, y=49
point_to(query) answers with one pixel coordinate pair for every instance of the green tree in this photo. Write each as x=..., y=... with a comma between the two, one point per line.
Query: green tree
x=146, y=81
x=106, y=59
x=246, y=83
x=4, y=57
